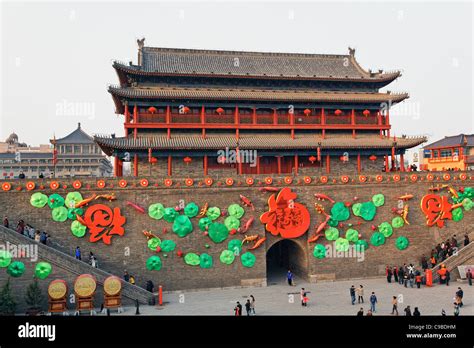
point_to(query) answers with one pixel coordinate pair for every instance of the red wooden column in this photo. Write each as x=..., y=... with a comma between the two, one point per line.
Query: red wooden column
x=258, y=164
x=402, y=162
x=203, y=121
x=170, y=163
x=279, y=164
x=353, y=122
x=296, y=164
x=386, y=163
x=205, y=164
x=328, y=164
x=275, y=118
x=135, y=120
x=135, y=165
x=358, y=164
x=168, y=120
x=254, y=116
x=116, y=166
x=379, y=123
x=127, y=119
x=236, y=122
x=323, y=122
x=387, y=122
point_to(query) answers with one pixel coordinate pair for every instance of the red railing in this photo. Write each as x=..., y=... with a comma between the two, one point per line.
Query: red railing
x=366, y=120
x=338, y=119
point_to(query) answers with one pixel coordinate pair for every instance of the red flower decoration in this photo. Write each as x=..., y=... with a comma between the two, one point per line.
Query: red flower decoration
x=103, y=223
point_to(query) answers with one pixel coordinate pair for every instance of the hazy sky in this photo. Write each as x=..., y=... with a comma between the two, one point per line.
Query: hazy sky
x=56, y=57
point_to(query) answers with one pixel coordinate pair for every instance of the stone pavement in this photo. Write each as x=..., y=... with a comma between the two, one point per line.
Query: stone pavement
x=325, y=298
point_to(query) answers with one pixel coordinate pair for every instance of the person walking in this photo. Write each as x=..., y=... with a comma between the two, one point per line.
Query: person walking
x=252, y=304
x=369, y=313
x=132, y=279
x=448, y=277
x=360, y=313
x=78, y=253
x=150, y=286
x=248, y=307
x=456, y=309
x=405, y=279
x=388, y=273
x=401, y=274
x=407, y=311
x=289, y=278
x=360, y=294
x=459, y=296
x=126, y=276
x=303, y=297
x=412, y=279
x=433, y=261
x=466, y=240
x=469, y=276
x=6, y=223
x=37, y=236
x=416, y=312
x=395, y=274
x=238, y=309
x=373, y=302
x=352, y=292
x=43, y=237
x=394, y=305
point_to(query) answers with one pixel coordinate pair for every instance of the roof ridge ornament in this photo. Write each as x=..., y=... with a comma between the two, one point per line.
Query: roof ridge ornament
x=352, y=51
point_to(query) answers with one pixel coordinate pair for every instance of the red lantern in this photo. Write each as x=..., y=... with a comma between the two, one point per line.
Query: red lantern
x=366, y=112
x=185, y=110
x=312, y=159
x=220, y=111
x=338, y=112
x=152, y=110
x=307, y=112
x=154, y=160
x=373, y=158
x=187, y=160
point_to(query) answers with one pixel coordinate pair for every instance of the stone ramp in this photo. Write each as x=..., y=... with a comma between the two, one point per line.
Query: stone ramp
x=464, y=256
x=72, y=267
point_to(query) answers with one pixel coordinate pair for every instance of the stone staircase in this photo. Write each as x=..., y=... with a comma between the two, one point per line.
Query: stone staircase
x=71, y=266
x=463, y=256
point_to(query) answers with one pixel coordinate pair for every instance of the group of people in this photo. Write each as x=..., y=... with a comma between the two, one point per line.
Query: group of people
x=28, y=231
x=249, y=307
x=443, y=250
x=404, y=275
x=407, y=310
x=92, y=258
x=129, y=278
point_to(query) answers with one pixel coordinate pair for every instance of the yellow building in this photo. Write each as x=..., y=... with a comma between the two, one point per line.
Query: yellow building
x=450, y=153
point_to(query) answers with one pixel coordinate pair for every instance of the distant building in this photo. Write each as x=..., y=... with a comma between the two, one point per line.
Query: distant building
x=16, y=157
x=79, y=155
x=450, y=153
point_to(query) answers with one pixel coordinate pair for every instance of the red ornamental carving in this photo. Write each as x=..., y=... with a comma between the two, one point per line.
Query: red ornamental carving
x=103, y=223
x=285, y=217
x=436, y=209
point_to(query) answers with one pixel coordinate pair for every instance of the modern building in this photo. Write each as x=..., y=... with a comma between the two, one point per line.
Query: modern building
x=450, y=153
x=195, y=112
x=78, y=155
x=16, y=157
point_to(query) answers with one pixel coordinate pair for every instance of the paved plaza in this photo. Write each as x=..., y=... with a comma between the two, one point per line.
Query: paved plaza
x=326, y=298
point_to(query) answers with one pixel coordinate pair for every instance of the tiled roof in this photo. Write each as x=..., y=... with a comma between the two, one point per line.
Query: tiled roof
x=455, y=140
x=76, y=137
x=253, y=94
x=264, y=141
x=157, y=60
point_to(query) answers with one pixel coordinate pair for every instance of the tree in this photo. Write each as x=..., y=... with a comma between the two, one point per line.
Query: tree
x=33, y=296
x=7, y=303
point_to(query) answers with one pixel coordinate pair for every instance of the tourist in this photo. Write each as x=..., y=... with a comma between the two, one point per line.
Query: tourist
x=459, y=296
x=21, y=176
x=252, y=304
x=303, y=296
x=37, y=236
x=418, y=280
x=150, y=286
x=454, y=242
x=407, y=311
x=20, y=227
x=369, y=313
x=289, y=277
x=412, y=279
x=443, y=312
x=466, y=240
x=32, y=233
x=126, y=276
x=43, y=237
x=456, y=309
x=94, y=262
x=360, y=294
x=405, y=279
x=433, y=261
x=360, y=313
x=78, y=253
x=238, y=309
x=132, y=279
x=416, y=312
x=394, y=305
x=469, y=276
x=248, y=307
x=352, y=292
x=424, y=263
x=91, y=256
x=401, y=274
x=448, y=277
x=388, y=273
x=373, y=301
x=395, y=274
x=6, y=223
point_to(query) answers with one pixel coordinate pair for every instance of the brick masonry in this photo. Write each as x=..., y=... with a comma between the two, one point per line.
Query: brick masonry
x=130, y=251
